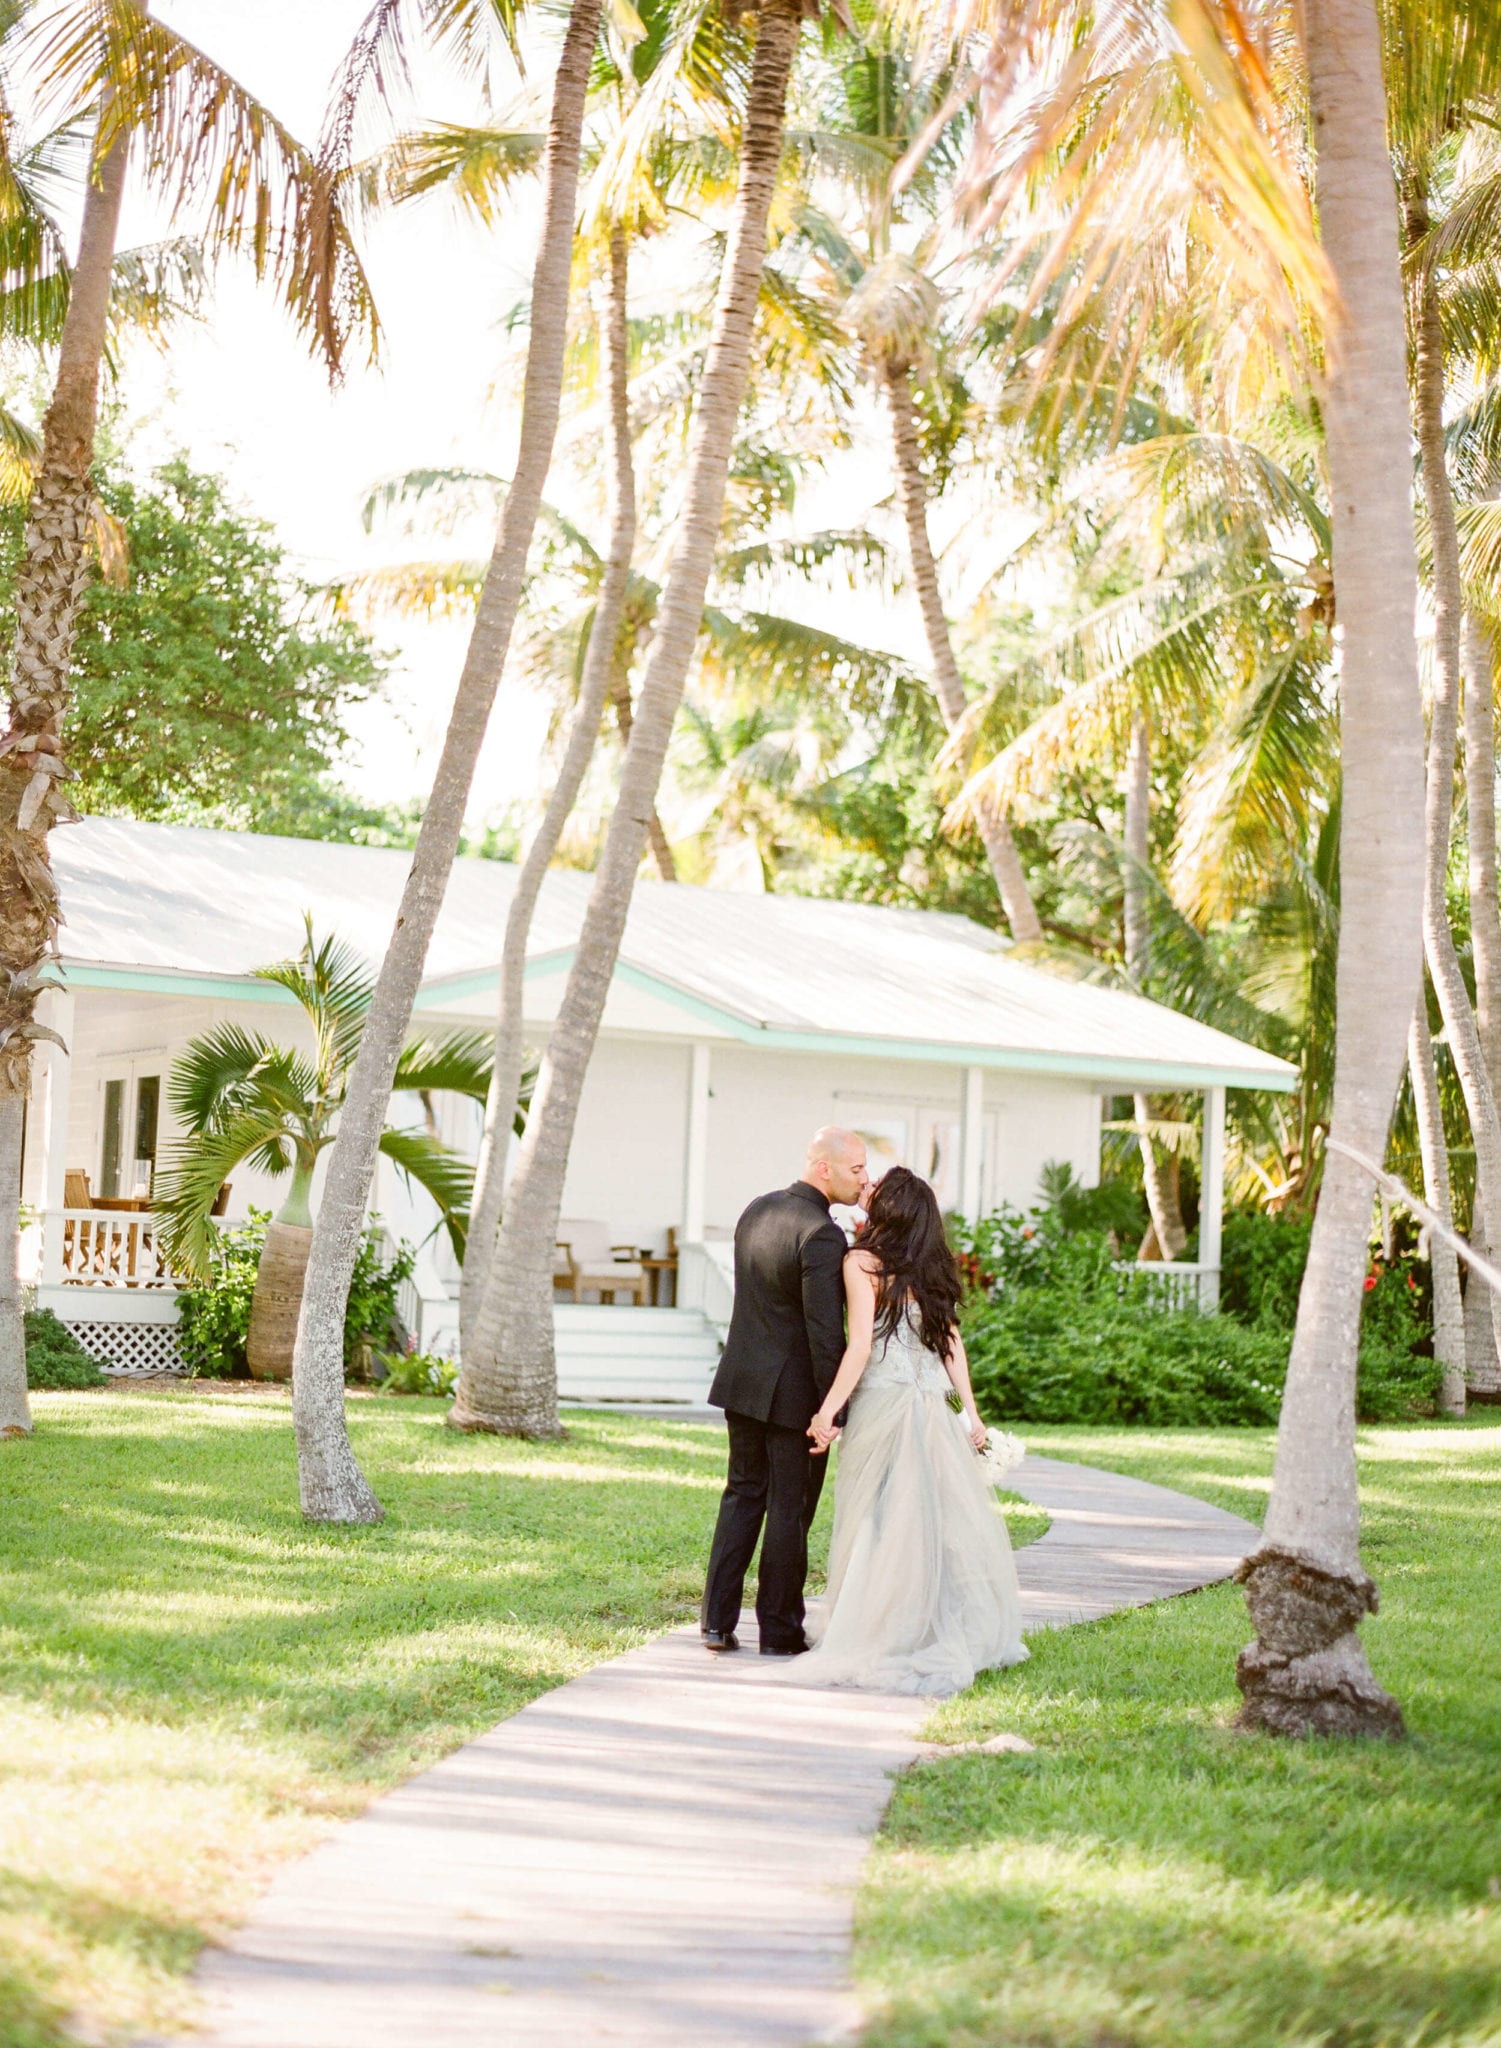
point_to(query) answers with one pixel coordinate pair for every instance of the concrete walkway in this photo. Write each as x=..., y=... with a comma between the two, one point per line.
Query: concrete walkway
x=661, y=1854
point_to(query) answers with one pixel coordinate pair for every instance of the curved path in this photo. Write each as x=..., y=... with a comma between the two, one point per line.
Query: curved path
x=660, y=1854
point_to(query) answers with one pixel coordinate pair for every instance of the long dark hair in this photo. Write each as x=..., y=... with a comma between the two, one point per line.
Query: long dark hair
x=917, y=1270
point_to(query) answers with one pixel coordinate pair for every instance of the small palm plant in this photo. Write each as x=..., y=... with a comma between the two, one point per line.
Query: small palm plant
x=241, y=1097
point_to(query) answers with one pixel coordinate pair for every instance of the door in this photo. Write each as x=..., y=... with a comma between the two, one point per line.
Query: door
x=130, y=1125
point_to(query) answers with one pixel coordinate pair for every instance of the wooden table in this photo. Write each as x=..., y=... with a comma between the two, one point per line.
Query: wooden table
x=655, y=1269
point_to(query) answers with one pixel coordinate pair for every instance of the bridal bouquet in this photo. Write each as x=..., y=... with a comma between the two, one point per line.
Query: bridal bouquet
x=1002, y=1453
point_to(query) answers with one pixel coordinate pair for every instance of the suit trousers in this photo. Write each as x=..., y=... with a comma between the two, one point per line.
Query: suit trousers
x=774, y=1481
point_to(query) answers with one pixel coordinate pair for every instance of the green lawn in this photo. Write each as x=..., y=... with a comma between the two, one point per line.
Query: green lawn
x=192, y=1682
x=193, y=1685
x=1149, y=1878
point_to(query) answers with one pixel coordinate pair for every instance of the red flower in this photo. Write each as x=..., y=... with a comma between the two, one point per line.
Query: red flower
x=1370, y=1281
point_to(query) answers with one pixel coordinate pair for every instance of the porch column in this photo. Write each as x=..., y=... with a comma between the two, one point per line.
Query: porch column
x=696, y=1147
x=47, y=1126
x=1212, y=1196
x=971, y=1140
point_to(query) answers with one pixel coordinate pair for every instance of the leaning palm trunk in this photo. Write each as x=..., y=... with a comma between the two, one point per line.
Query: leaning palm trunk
x=1482, y=1358
x=1168, y=1233
x=594, y=683
x=1460, y=1026
x=509, y=1378
x=948, y=685
x=1443, y=1261
x=333, y=1489
x=1307, y=1591
x=625, y=719
x=54, y=572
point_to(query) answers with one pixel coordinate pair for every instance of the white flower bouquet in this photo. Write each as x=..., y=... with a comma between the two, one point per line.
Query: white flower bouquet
x=1001, y=1454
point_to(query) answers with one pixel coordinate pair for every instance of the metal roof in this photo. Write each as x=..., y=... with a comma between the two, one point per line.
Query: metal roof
x=146, y=905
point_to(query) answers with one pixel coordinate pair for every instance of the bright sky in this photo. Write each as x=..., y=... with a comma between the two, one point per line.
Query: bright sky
x=240, y=394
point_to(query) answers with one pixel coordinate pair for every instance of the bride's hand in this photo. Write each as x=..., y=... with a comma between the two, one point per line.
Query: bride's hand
x=979, y=1435
x=822, y=1431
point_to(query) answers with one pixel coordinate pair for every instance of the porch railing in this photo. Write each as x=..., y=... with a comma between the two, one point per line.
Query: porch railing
x=116, y=1248
x=1175, y=1283
x=706, y=1281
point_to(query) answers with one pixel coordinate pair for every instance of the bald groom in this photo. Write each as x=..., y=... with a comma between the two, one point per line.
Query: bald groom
x=785, y=1343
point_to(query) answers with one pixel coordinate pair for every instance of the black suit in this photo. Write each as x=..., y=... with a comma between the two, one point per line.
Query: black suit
x=780, y=1358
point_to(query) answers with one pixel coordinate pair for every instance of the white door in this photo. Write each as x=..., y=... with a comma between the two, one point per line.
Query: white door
x=130, y=1122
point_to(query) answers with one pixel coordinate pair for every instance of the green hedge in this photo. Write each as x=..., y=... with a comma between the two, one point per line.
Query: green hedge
x=1056, y=1334
x=54, y=1356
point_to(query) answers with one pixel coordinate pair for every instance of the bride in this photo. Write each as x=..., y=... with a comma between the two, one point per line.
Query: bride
x=922, y=1586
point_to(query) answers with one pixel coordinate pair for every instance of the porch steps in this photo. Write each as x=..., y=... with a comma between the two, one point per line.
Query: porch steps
x=634, y=1354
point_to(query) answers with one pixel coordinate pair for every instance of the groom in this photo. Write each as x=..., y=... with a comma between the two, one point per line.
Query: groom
x=785, y=1343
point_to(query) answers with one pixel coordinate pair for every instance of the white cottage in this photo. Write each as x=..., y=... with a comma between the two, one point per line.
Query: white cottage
x=734, y=1026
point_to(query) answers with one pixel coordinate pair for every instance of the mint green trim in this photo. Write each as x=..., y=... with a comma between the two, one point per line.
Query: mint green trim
x=1072, y=1066
x=483, y=981
x=165, y=982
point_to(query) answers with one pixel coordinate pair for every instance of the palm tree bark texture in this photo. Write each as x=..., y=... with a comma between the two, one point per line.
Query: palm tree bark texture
x=594, y=685
x=1460, y=1026
x=54, y=573
x=948, y=684
x=1482, y=1357
x=1307, y=1672
x=509, y=1376
x=1443, y=1260
x=331, y=1485
x=1169, y=1233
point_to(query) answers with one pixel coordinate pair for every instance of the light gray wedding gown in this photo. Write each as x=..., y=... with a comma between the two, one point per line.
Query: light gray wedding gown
x=922, y=1584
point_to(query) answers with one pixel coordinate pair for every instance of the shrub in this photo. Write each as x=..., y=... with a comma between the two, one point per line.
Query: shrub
x=214, y=1317
x=1261, y=1266
x=1075, y=1341
x=1056, y=1333
x=54, y=1356
x=418, y=1372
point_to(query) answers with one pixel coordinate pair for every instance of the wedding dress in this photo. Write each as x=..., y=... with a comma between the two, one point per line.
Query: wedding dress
x=922, y=1584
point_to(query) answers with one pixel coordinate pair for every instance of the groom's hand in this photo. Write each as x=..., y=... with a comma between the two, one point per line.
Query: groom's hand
x=822, y=1436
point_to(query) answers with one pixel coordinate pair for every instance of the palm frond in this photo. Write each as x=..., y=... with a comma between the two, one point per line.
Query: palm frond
x=439, y=1172
x=458, y=1063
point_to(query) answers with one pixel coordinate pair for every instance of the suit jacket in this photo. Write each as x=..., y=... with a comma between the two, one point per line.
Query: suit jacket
x=787, y=1331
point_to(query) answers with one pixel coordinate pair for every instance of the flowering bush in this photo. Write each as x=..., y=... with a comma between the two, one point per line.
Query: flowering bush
x=1056, y=1333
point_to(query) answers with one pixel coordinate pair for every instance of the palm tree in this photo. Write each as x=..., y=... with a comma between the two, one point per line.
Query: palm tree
x=242, y=1096
x=201, y=135
x=509, y=1379
x=331, y=1485
x=1305, y=1585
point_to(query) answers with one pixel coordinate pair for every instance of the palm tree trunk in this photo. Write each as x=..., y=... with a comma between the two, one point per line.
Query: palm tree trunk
x=54, y=573
x=509, y=1381
x=1460, y=1026
x=1168, y=1233
x=656, y=837
x=1443, y=1261
x=948, y=685
x=594, y=683
x=1482, y=1358
x=1307, y=1672
x=333, y=1489
x=280, y=1277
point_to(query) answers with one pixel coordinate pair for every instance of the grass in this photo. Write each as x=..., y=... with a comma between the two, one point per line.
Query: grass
x=194, y=1685
x=1150, y=1878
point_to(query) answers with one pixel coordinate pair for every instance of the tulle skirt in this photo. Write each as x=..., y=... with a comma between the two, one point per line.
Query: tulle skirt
x=922, y=1584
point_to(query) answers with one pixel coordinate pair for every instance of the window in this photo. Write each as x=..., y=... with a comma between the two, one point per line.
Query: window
x=112, y=1153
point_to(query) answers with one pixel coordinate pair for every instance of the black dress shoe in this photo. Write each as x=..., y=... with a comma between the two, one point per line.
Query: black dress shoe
x=784, y=1649
x=717, y=1639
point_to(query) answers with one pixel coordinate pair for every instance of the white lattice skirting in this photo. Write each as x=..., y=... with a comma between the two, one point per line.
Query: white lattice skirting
x=127, y=1348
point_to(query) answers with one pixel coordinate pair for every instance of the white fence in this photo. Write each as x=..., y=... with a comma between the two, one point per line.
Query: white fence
x=1175, y=1283
x=114, y=1248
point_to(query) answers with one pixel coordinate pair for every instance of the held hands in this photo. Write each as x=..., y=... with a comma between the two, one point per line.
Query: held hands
x=823, y=1433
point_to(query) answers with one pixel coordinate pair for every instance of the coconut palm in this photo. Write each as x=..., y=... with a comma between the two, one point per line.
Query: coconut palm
x=241, y=1096
x=1306, y=1586
x=509, y=1379
x=199, y=137
x=331, y=1485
